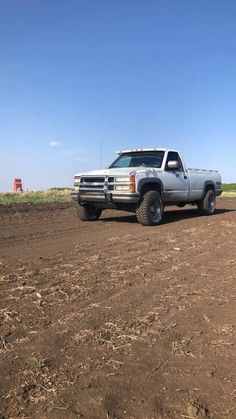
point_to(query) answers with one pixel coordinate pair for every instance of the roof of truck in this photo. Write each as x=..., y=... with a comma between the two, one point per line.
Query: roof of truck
x=141, y=149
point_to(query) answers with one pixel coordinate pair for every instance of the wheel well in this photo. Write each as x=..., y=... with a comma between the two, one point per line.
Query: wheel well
x=152, y=186
x=209, y=187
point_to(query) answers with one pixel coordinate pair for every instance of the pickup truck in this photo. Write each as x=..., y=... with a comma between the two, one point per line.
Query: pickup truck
x=144, y=181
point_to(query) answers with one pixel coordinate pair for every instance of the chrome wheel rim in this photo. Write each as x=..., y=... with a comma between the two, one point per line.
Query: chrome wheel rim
x=156, y=212
x=211, y=203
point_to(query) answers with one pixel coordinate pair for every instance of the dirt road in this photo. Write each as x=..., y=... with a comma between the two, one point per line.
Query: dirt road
x=114, y=320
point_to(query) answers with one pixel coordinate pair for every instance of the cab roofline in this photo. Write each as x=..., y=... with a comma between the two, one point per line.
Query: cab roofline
x=135, y=150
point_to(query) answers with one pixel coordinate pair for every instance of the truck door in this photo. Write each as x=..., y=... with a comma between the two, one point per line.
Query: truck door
x=176, y=181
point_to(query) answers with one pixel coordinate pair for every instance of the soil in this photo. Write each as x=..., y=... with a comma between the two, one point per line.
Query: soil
x=110, y=319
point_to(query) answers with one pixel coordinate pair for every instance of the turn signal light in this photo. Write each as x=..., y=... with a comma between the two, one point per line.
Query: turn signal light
x=132, y=187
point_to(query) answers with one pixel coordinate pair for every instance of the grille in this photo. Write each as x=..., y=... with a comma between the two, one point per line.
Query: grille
x=92, y=183
x=95, y=183
x=110, y=181
x=93, y=179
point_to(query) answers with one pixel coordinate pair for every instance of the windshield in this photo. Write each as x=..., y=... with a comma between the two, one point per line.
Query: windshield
x=144, y=159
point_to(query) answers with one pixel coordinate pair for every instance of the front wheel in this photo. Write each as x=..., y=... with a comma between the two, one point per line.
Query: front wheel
x=207, y=205
x=87, y=212
x=149, y=211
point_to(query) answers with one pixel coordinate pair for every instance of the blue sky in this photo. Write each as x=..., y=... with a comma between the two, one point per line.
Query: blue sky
x=127, y=73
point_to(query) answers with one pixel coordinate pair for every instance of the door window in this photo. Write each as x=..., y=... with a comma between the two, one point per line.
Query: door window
x=173, y=156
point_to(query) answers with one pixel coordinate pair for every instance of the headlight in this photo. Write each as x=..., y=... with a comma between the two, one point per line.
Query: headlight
x=122, y=188
x=76, y=182
x=122, y=179
x=127, y=183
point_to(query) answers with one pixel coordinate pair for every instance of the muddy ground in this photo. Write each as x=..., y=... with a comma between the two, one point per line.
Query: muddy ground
x=110, y=319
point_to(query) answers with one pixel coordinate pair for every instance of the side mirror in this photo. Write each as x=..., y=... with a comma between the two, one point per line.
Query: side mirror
x=173, y=164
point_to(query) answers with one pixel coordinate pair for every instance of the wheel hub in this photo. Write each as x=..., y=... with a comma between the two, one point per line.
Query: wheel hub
x=211, y=203
x=155, y=212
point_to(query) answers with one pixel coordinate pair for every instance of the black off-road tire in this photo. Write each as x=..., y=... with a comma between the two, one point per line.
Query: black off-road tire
x=207, y=205
x=149, y=211
x=87, y=212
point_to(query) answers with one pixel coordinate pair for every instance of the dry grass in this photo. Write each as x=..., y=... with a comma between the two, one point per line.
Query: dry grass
x=40, y=197
x=229, y=194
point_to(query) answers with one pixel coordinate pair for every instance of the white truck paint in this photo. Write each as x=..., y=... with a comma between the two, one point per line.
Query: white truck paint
x=145, y=181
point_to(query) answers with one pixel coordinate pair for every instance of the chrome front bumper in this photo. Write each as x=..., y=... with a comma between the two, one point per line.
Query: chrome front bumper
x=109, y=197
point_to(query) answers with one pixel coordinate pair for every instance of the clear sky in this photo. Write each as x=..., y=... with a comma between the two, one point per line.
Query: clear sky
x=127, y=73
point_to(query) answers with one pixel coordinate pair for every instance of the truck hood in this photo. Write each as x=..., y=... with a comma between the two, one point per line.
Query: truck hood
x=124, y=171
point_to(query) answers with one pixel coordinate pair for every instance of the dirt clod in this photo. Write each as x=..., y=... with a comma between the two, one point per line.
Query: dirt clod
x=196, y=409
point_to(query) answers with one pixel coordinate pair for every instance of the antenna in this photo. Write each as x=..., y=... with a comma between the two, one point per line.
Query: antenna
x=101, y=152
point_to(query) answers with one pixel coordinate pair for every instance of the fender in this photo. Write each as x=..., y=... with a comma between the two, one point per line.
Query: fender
x=206, y=184
x=145, y=181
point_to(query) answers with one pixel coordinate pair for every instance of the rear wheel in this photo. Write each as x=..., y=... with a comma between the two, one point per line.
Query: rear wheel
x=87, y=212
x=149, y=212
x=207, y=205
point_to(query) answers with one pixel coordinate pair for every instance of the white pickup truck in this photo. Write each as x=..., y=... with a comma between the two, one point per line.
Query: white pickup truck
x=144, y=181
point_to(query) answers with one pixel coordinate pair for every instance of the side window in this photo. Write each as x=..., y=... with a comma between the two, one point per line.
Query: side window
x=173, y=156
